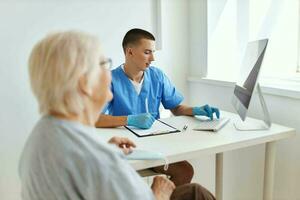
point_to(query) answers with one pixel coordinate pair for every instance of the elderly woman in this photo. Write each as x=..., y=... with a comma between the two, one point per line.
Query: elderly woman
x=63, y=157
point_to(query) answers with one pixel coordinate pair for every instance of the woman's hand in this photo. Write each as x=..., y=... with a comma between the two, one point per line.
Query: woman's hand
x=124, y=143
x=162, y=188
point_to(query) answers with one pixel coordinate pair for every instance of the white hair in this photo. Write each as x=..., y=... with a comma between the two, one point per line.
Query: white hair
x=56, y=64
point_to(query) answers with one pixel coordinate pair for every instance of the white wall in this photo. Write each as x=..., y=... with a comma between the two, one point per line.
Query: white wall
x=22, y=23
x=173, y=58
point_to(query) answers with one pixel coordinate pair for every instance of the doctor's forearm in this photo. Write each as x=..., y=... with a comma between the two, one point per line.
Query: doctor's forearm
x=182, y=110
x=108, y=121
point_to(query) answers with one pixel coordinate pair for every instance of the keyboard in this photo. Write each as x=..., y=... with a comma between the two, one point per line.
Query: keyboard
x=211, y=125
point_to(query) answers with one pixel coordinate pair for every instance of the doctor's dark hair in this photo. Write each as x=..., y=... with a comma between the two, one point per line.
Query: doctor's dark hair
x=133, y=36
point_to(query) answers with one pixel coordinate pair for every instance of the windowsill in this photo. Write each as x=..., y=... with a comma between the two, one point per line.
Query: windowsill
x=277, y=87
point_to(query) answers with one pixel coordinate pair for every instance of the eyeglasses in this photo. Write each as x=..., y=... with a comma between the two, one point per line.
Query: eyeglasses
x=106, y=64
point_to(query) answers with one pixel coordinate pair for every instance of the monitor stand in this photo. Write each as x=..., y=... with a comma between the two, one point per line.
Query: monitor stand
x=255, y=125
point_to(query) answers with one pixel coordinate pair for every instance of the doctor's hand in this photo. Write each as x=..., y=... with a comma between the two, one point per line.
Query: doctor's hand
x=143, y=121
x=207, y=111
x=124, y=143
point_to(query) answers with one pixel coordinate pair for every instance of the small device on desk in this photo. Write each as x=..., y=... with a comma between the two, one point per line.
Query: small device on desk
x=138, y=154
x=211, y=125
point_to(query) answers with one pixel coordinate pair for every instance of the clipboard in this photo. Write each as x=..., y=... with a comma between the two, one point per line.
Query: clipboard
x=158, y=128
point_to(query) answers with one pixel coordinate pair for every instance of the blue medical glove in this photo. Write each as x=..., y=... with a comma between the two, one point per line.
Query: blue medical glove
x=143, y=121
x=207, y=111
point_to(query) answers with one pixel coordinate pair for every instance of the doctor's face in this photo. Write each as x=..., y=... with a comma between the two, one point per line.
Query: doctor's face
x=143, y=54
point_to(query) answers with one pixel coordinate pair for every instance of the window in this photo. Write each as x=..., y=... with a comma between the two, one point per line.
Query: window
x=232, y=23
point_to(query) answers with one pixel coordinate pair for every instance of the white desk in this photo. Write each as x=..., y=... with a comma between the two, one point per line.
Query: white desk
x=192, y=144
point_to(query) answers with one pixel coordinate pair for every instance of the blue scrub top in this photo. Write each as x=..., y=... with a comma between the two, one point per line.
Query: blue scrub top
x=157, y=88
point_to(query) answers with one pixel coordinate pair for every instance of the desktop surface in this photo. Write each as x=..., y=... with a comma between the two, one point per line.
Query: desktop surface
x=190, y=144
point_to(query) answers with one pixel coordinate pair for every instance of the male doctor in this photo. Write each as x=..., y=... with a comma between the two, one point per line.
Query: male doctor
x=138, y=90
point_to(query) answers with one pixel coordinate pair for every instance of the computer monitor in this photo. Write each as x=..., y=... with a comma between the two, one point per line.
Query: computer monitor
x=247, y=84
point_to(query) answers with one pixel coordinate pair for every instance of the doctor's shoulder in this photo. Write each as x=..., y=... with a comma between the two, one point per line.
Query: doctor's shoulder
x=156, y=73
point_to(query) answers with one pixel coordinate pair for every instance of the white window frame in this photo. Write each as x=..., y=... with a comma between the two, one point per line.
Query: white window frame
x=286, y=87
x=157, y=23
x=298, y=61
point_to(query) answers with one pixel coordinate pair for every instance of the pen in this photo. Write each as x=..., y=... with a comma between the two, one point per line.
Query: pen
x=163, y=132
x=185, y=127
x=146, y=105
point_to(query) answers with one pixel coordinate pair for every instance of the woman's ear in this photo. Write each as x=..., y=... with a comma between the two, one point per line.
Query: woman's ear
x=83, y=86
